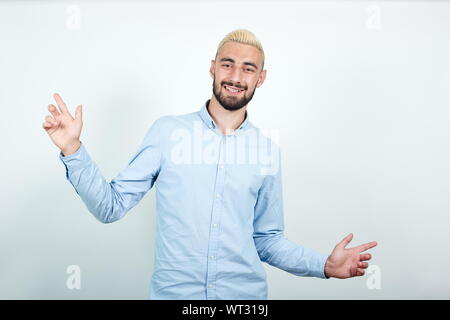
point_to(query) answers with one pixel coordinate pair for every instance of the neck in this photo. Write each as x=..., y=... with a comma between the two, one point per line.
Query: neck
x=226, y=120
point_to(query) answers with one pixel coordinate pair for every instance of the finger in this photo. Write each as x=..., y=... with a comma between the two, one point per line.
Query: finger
x=366, y=246
x=47, y=125
x=363, y=265
x=53, y=110
x=61, y=103
x=79, y=112
x=365, y=256
x=345, y=241
x=51, y=120
x=360, y=272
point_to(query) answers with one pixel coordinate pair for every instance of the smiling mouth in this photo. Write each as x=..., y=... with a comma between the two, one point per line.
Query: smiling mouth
x=233, y=90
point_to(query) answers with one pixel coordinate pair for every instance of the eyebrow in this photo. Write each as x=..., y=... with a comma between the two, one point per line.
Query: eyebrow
x=245, y=62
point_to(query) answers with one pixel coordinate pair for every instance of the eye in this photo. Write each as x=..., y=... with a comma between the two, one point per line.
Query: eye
x=226, y=65
x=249, y=69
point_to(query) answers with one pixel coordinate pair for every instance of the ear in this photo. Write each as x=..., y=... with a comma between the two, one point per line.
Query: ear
x=212, y=69
x=262, y=77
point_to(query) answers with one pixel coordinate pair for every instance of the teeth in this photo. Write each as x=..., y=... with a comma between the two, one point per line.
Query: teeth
x=232, y=89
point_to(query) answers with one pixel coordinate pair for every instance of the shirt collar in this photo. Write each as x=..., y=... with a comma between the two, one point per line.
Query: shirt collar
x=208, y=120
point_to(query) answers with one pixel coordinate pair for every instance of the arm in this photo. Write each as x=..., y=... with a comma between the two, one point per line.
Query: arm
x=110, y=201
x=272, y=246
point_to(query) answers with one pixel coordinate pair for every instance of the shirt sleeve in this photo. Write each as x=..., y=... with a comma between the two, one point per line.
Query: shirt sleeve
x=110, y=201
x=272, y=246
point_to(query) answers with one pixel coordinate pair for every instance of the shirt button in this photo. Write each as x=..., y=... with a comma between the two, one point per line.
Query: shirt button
x=215, y=225
x=218, y=196
x=211, y=257
x=210, y=285
x=221, y=166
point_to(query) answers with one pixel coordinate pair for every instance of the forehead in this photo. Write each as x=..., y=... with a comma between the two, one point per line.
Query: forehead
x=240, y=52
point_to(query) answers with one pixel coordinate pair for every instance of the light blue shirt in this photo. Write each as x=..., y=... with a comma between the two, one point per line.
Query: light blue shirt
x=219, y=207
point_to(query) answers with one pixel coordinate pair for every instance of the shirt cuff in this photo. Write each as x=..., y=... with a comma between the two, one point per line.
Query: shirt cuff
x=76, y=160
x=323, y=260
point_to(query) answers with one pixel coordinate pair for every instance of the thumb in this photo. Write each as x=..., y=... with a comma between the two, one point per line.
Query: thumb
x=79, y=113
x=346, y=241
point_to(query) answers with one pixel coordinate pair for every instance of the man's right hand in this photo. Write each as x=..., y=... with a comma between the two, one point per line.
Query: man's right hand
x=63, y=129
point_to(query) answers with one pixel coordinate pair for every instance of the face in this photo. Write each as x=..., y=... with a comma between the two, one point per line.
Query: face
x=236, y=72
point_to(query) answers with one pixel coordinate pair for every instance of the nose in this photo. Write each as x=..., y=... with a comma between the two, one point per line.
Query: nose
x=235, y=76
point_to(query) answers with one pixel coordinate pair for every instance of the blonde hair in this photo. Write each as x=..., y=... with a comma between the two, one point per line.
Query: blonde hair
x=242, y=36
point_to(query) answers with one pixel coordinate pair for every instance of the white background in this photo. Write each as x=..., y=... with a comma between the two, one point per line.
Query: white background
x=359, y=91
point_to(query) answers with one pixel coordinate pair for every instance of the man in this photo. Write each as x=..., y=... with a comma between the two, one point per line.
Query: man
x=218, y=190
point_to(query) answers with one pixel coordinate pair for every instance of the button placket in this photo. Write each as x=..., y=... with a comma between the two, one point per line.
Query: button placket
x=214, y=230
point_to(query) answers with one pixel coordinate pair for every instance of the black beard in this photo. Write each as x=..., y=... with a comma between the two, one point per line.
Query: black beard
x=234, y=105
